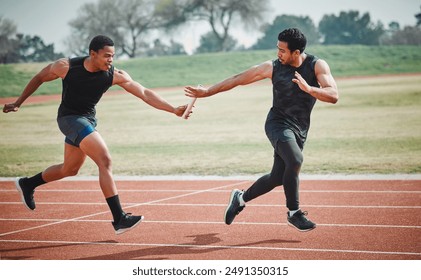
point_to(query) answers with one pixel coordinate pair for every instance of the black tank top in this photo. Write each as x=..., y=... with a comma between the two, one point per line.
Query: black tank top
x=291, y=106
x=83, y=89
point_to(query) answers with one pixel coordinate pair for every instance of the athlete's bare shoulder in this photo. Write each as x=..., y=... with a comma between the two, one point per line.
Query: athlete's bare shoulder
x=265, y=69
x=60, y=67
x=120, y=76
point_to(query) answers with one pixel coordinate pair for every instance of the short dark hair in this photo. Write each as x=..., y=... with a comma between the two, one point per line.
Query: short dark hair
x=99, y=42
x=294, y=38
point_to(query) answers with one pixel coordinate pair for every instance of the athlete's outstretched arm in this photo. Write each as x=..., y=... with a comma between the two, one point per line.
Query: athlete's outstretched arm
x=251, y=75
x=124, y=80
x=55, y=70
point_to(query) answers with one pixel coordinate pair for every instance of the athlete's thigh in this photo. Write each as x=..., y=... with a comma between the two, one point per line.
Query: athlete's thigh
x=290, y=152
x=74, y=157
x=95, y=147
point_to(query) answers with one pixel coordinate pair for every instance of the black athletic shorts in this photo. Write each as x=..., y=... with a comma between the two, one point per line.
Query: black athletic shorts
x=76, y=128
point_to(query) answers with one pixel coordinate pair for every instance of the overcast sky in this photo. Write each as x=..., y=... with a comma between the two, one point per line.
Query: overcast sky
x=49, y=18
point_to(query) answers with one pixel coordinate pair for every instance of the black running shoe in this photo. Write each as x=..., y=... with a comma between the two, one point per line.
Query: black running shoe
x=234, y=207
x=300, y=221
x=126, y=223
x=26, y=194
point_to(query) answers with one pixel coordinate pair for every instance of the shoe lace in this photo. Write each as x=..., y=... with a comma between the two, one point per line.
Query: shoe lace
x=304, y=214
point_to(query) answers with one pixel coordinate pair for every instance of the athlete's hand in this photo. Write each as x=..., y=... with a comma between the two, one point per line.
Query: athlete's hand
x=198, y=91
x=299, y=80
x=179, y=111
x=11, y=107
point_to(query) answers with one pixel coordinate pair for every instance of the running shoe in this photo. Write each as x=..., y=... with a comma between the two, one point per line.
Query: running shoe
x=26, y=193
x=234, y=207
x=126, y=223
x=300, y=221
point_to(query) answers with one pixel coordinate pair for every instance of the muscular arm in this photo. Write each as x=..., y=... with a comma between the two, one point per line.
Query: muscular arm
x=251, y=75
x=328, y=91
x=55, y=70
x=124, y=80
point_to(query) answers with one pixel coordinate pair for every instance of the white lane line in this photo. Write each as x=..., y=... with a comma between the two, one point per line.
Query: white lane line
x=236, y=247
x=283, y=206
x=217, y=223
x=303, y=177
x=127, y=207
x=212, y=191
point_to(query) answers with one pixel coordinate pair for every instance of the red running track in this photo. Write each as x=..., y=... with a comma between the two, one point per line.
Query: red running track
x=356, y=219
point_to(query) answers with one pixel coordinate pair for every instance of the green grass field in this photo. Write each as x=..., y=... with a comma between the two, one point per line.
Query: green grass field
x=208, y=68
x=374, y=128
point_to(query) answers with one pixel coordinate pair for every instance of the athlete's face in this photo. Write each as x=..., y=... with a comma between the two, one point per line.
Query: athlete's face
x=103, y=59
x=284, y=54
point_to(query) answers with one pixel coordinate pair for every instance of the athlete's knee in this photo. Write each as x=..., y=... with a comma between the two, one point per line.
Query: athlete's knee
x=105, y=162
x=291, y=155
x=68, y=171
x=298, y=161
x=295, y=163
x=73, y=172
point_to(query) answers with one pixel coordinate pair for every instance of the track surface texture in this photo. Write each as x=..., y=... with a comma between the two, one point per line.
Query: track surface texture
x=357, y=219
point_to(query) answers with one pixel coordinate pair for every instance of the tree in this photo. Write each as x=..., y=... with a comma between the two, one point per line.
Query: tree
x=139, y=17
x=210, y=43
x=94, y=19
x=160, y=49
x=350, y=28
x=176, y=48
x=409, y=35
x=127, y=22
x=8, y=45
x=385, y=39
x=33, y=49
x=16, y=47
x=220, y=14
x=394, y=26
x=418, y=17
x=271, y=31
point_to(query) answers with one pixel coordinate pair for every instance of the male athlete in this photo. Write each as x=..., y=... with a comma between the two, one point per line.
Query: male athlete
x=298, y=79
x=85, y=80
